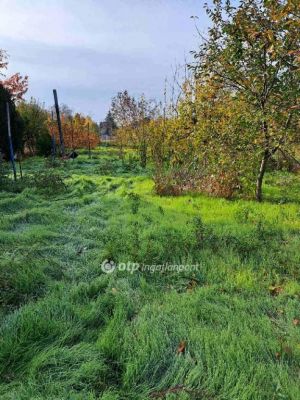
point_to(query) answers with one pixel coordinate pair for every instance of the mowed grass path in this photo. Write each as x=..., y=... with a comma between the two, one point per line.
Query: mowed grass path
x=228, y=330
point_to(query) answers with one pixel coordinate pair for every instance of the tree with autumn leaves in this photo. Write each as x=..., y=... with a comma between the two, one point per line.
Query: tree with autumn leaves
x=79, y=131
x=253, y=53
x=132, y=117
x=241, y=104
x=200, y=150
x=12, y=90
x=16, y=85
x=238, y=109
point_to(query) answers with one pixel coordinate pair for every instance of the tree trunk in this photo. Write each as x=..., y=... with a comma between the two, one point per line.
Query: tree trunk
x=143, y=155
x=264, y=161
x=260, y=178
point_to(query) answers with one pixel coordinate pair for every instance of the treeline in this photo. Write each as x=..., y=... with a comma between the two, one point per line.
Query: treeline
x=79, y=131
x=234, y=112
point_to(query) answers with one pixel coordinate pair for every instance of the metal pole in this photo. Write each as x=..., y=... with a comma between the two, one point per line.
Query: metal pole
x=61, y=138
x=11, y=149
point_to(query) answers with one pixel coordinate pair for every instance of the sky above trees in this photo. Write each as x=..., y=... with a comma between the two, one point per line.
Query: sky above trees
x=89, y=50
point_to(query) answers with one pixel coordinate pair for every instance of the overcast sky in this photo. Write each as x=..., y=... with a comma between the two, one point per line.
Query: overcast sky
x=89, y=50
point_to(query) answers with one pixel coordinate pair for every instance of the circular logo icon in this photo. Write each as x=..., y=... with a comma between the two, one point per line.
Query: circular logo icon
x=108, y=266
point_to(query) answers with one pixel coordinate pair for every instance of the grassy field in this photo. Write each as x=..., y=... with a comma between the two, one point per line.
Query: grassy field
x=228, y=329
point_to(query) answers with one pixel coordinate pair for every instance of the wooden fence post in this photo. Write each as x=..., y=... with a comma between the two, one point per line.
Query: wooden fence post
x=61, y=137
x=53, y=146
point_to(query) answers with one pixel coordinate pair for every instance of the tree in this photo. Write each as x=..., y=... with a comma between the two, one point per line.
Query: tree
x=65, y=110
x=3, y=61
x=253, y=51
x=16, y=84
x=79, y=131
x=11, y=90
x=132, y=118
x=36, y=137
x=16, y=124
x=108, y=126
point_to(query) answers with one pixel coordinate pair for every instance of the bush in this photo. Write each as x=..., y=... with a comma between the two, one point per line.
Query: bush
x=43, y=145
x=223, y=185
x=178, y=180
x=36, y=133
x=50, y=182
x=166, y=185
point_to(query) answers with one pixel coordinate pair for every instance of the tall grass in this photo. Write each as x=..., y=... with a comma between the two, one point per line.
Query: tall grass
x=70, y=331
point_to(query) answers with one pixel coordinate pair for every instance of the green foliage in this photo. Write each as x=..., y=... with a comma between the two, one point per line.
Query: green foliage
x=252, y=51
x=133, y=117
x=16, y=124
x=43, y=145
x=37, y=138
x=236, y=112
x=48, y=181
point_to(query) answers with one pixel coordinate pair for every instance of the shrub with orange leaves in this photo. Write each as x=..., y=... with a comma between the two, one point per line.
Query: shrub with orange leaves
x=78, y=131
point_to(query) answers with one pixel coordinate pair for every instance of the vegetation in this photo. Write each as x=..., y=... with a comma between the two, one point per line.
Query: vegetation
x=228, y=329
x=16, y=85
x=236, y=109
x=37, y=139
x=16, y=123
x=253, y=52
x=33, y=126
x=142, y=269
x=79, y=131
x=132, y=118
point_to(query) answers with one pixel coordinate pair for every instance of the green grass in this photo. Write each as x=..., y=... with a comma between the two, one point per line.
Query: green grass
x=70, y=331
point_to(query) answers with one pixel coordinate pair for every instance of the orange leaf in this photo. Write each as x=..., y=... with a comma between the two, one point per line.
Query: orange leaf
x=275, y=290
x=181, y=347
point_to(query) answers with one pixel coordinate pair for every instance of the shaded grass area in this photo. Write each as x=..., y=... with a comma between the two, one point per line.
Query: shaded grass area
x=71, y=331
